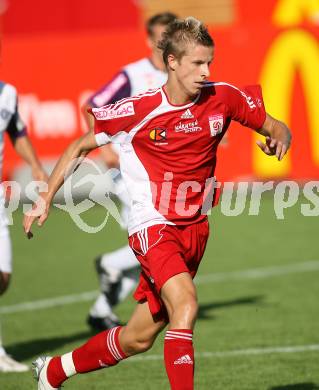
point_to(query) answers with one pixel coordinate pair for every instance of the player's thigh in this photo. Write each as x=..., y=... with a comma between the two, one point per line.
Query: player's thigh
x=141, y=330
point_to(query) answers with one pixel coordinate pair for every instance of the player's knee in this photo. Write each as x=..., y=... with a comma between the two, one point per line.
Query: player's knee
x=190, y=306
x=184, y=312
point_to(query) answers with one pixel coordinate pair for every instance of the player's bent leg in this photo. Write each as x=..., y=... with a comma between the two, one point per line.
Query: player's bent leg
x=106, y=349
x=179, y=296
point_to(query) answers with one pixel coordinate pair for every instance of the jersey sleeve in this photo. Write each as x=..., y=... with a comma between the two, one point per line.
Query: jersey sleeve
x=116, y=89
x=113, y=122
x=246, y=106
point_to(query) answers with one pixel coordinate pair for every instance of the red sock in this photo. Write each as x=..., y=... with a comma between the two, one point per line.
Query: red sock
x=102, y=350
x=179, y=358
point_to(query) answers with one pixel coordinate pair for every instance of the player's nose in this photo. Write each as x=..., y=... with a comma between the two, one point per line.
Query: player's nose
x=205, y=71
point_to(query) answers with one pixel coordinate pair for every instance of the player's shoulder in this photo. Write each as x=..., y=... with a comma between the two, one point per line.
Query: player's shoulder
x=219, y=87
x=134, y=106
x=142, y=102
x=228, y=92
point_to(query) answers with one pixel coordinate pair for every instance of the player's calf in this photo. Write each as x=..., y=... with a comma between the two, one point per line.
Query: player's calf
x=133, y=343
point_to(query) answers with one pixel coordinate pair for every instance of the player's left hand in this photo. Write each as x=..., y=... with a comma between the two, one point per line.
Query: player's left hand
x=40, y=211
x=274, y=147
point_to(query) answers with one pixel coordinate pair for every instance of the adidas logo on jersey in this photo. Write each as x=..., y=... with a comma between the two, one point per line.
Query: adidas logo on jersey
x=187, y=114
x=186, y=359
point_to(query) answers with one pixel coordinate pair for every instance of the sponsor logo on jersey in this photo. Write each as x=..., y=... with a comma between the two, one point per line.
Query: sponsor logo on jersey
x=158, y=134
x=189, y=127
x=216, y=123
x=249, y=100
x=106, y=113
x=187, y=114
x=185, y=359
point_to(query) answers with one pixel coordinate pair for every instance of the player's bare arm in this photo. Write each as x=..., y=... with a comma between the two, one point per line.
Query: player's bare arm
x=278, y=138
x=25, y=149
x=73, y=154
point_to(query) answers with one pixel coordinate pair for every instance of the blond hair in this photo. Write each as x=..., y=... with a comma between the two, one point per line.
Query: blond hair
x=182, y=32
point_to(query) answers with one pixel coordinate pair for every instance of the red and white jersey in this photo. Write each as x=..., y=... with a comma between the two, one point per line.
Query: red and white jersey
x=168, y=152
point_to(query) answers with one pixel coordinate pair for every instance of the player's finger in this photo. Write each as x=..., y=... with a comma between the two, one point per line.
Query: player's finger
x=278, y=150
x=27, y=223
x=42, y=219
x=264, y=148
x=283, y=151
x=272, y=143
x=261, y=145
x=267, y=139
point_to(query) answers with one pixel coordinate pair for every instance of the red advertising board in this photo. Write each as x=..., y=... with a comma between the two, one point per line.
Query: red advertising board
x=56, y=67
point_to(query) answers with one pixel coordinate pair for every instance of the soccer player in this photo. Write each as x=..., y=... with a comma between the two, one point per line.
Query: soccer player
x=11, y=123
x=168, y=139
x=119, y=270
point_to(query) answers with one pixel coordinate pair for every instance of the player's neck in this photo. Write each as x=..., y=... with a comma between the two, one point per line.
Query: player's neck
x=176, y=95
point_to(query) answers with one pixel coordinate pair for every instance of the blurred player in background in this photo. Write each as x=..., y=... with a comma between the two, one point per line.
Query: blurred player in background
x=118, y=271
x=169, y=139
x=11, y=123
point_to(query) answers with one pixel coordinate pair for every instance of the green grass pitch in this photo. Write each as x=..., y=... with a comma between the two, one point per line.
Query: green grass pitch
x=244, y=318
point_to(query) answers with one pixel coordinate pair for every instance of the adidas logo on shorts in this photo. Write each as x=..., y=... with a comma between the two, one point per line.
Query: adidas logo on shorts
x=186, y=359
x=187, y=114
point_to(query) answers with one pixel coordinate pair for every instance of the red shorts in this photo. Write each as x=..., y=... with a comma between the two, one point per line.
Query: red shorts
x=165, y=251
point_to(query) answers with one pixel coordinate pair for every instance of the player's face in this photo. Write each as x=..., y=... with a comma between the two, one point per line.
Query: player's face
x=192, y=70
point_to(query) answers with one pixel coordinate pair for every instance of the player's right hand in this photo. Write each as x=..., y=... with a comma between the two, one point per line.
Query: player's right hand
x=40, y=211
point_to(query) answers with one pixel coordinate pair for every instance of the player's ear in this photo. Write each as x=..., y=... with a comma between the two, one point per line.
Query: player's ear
x=172, y=62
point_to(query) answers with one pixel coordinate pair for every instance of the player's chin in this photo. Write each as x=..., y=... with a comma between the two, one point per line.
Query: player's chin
x=196, y=88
